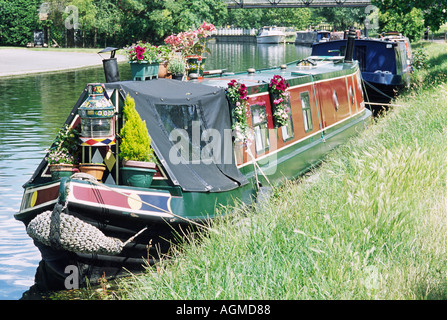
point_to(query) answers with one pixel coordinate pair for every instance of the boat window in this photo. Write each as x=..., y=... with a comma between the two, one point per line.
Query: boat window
x=307, y=115
x=260, y=128
x=335, y=100
x=184, y=126
x=287, y=130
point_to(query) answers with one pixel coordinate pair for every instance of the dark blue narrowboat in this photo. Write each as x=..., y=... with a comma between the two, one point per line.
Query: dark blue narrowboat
x=384, y=65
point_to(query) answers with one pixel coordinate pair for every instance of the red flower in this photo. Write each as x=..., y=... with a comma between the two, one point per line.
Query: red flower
x=232, y=83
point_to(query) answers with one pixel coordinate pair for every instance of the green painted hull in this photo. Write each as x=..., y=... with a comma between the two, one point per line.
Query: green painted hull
x=288, y=163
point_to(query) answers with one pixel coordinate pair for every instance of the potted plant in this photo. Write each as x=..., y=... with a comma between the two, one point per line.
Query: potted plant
x=177, y=67
x=63, y=155
x=192, y=45
x=164, y=56
x=138, y=160
x=144, y=61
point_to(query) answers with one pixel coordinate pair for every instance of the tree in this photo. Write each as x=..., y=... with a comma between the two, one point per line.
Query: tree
x=257, y=18
x=288, y=17
x=339, y=18
x=154, y=20
x=245, y=18
x=434, y=11
x=86, y=16
x=18, y=20
x=107, y=22
x=411, y=24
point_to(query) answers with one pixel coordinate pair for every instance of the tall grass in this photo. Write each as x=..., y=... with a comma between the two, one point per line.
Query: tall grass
x=370, y=223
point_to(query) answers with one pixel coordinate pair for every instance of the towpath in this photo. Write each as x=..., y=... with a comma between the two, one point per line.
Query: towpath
x=22, y=61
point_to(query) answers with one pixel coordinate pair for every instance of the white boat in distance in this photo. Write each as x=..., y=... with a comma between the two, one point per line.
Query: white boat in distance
x=270, y=35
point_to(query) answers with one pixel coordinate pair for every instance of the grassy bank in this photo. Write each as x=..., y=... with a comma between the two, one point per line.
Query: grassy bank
x=370, y=223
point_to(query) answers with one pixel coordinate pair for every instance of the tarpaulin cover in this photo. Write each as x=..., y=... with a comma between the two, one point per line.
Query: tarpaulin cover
x=190, y=128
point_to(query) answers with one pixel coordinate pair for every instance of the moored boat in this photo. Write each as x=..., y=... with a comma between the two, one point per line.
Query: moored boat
x=270, y=34
x=209, y=152
x=307, y=38
x=384, y=64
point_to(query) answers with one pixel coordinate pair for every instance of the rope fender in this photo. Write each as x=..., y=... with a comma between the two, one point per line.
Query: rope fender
x=75, y=235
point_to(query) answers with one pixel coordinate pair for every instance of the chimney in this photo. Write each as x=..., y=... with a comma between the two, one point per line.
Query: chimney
x=350, y=46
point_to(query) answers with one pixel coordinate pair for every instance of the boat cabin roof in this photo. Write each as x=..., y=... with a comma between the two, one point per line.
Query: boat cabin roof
x=304, y=71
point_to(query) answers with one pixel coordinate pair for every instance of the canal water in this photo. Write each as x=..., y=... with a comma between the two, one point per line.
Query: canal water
x=34, y=108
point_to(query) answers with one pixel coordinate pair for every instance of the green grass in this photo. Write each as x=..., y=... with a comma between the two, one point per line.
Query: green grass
x=369, y=223
x=436, y=73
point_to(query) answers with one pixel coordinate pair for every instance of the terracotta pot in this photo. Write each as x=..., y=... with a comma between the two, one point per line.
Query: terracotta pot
x=163, y=71
x=94, y=169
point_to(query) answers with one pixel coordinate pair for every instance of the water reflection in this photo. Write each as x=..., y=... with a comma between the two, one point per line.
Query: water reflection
x=238, y=56
x=34, y=108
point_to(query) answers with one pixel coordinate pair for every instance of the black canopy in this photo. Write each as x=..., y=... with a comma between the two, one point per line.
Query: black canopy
x=190, y=128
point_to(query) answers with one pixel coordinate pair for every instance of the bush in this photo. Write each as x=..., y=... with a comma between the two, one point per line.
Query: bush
x=420, y=59
x=136, y=142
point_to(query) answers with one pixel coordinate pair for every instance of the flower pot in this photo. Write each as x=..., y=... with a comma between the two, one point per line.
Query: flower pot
x=94, y=169
x=139, y=164
x=163, y=71
x=60, y=170
x=195, y=64
x=142, y=71
x=137, y=177
x=177, y=77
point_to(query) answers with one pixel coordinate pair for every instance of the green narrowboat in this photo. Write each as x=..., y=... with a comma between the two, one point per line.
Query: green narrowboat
x=216, y=140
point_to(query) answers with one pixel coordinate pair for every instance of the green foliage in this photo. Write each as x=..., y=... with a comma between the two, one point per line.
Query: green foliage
x=420, y=59
x=136, y=142
x=410, y=24
x=257, y=18
x=65, y=148
x=119, y=23
x=339, y=18
x=177, y=65
x=18, y=21
x=435, y=73
x=434, y=11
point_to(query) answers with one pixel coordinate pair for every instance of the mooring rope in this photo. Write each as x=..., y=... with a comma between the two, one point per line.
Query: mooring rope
x=256, y=165
x=377, y=90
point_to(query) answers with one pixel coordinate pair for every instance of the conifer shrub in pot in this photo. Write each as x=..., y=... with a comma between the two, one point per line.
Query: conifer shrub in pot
x=138, y=160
